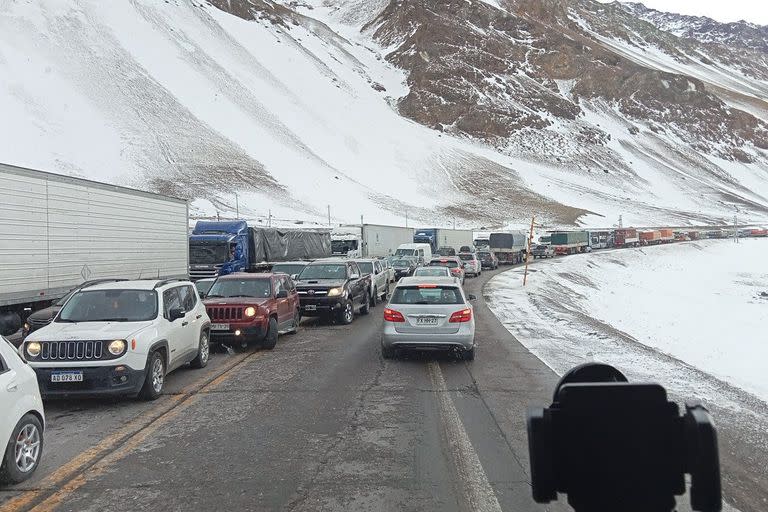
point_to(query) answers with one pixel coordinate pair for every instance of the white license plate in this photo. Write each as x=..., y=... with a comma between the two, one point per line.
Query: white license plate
x=219, y=327
x=426, y=321
x=310, y=307
x=67, y=377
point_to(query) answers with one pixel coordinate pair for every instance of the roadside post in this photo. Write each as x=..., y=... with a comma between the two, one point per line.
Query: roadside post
x=528, y=252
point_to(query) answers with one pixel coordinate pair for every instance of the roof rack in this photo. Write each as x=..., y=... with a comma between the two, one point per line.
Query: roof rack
x=164, y=282
x=94, y=282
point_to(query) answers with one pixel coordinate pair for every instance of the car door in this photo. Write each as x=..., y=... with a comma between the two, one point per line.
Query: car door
x=193, y=319
x=175, y=333
x=9, y=391
x=359, y=293
x=284, y=311
x=293, y=295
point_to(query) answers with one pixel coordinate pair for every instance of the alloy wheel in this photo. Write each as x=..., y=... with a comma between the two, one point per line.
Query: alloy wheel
x=27, y=448
x=157, y=375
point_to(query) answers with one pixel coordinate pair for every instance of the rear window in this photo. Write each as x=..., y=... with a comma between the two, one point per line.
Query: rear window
x=430, y=294
x=434, y=271
x=467, y=257
x=446, y=263
x=366, y=267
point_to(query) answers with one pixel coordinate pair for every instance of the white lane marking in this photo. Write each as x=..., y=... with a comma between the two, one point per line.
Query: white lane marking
x=476, y=489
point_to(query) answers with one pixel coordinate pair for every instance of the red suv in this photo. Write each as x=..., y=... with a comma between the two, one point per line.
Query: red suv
x=252, y=308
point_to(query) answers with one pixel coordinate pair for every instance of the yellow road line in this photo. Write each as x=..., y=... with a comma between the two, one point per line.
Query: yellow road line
x=64, y=477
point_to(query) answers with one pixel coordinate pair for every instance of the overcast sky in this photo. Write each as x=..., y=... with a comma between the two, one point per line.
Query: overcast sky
x=755, y=11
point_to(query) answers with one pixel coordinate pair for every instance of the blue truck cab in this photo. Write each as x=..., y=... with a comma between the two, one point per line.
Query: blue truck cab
x=427, y=236
x=218, y=248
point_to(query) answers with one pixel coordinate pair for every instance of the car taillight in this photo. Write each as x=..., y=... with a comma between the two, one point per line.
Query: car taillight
x=465, y=315
x=390, y=315
x=455, y=270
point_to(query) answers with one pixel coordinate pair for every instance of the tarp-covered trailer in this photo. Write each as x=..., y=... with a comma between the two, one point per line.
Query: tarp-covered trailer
x=667, y=235
x=272, y=245
x=650, y=237
x=570, y=242
x=509, y=247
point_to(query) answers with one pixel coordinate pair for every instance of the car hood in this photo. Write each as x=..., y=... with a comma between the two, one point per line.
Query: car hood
x=63, y=331
x=235, y=301
x=46, y=314
x=320, y=283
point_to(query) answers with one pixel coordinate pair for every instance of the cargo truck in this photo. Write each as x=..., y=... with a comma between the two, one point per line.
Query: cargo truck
x=368, y=240
x=218, y=248
x=570, y=242
x=600, y=239
x=509, y=247
x=626, y=237
x=667, y=235
x=440, y=237
x=650, y=237
x=58, y=232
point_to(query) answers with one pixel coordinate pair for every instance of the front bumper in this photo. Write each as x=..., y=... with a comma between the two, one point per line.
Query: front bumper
x=115, y=379
x=248, y=333
x=316, y=306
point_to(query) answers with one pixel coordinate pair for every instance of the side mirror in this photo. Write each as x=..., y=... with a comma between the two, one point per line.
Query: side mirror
x=472, y=297
x=175, y=314
x=282, y=294
x=201, y=294
x=354, y=276
x=294, y=277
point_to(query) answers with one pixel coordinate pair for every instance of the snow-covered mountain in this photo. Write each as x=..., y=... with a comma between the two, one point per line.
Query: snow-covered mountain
x=482, y=112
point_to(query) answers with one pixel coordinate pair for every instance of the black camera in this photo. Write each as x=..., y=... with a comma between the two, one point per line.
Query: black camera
x=615, y=446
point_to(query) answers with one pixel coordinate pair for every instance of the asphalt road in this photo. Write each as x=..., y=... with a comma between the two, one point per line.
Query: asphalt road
x=320, y=423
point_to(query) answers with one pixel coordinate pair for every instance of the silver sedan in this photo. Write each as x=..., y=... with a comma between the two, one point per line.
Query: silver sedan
x=429, y=313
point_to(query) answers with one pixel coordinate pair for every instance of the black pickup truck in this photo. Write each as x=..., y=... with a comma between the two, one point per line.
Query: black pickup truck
x=334, y=288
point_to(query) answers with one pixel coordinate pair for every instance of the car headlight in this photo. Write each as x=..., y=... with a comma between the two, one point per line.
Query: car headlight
x=33, y=349
x=335, y=292
x=116, y=347
x=26, y=327
x=250, y=311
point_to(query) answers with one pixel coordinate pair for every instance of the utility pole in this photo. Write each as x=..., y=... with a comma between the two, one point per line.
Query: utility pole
x=528, y=252
x=329, y=215
x=269, y=220
x=454, y=223
x=621, y=222
x=237, y=206
x=735, y=229
x=361, y=220
x=406, y=218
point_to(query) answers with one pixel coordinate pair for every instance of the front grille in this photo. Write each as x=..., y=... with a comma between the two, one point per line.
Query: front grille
x=71, y=350
x=313, y=293
x=217, y=313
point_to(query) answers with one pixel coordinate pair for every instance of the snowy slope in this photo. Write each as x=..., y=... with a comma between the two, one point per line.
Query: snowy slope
x=299, y=109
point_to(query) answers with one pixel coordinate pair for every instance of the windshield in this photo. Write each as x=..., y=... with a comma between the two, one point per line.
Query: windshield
x=484, y=256
x=329, y=271
x=405, y=252
x=427, y=294
x=401, y=263
x=208, y=254
x=432, y=271
x=248, y=287
x=365, y=267
x=110, y=306
x=65, y=298
x=204, y=285
x=288, y=268
x=444, y=263
x=343, y=246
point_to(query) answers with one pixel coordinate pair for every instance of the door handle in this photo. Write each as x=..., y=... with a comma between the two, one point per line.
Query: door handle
x=13, y=386
x=184, y=323
x=198, y=317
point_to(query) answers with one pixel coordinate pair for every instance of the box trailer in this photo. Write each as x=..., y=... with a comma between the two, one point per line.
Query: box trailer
x=442, y=237
x=667, y=235
x=369, y=240
x=650, y=237
x=569, y=242
x=57, y=232
x=509, y=247
x=626, y=237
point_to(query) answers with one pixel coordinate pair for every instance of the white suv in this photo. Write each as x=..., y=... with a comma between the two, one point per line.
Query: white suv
x=120, y=338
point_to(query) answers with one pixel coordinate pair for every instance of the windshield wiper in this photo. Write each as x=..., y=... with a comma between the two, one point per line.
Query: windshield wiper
x=209, y=296
x=112, y=320
x=232, y=296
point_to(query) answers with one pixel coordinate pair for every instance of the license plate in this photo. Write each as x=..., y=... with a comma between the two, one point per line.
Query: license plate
x=428, y=320
x=67, y=377
x=310, y=307
x=219, y=327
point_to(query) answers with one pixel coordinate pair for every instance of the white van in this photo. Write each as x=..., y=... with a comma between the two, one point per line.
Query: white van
x=423, y=252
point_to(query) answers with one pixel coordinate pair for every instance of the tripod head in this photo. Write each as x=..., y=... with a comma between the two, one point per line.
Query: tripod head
x=615, y=446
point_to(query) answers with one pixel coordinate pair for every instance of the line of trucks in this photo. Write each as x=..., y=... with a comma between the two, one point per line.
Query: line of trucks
x=58, y=232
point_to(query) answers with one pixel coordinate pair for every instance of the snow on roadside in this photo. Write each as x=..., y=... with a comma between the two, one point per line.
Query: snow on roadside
x=698, y=303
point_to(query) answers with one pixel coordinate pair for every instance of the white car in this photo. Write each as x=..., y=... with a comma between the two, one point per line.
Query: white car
x=472, y=265
x=120, y=338
x=22, y=420
x=379, y=279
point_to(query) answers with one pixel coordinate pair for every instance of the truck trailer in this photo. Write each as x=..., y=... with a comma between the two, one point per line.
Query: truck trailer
x=570, y=242
x=650, y=237
x=509, y=247
x=626, y=237
x=218, y=248
x=57, y=232
x=368, y=240
x=441, y=237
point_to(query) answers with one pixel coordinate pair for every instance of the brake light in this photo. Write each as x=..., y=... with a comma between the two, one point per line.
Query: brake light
x=427, y=286
x=455, y=270
x=465, y=315
x=390, y=315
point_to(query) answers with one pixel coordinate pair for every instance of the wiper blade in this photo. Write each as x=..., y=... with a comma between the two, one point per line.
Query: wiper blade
x=111, y=320
x=209, y=296
x=231, y=296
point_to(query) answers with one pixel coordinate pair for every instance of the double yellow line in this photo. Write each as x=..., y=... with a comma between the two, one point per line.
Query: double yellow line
x=60, y=484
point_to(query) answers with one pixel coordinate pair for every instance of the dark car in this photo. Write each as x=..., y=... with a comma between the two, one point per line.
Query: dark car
x=404, y=267
x=43, y=317
x=252, y=308
x=334, y=288
x=446, y=251
x=488, y=260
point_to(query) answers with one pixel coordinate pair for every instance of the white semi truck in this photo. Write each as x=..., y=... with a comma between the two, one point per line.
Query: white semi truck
x=57, y=232
x=368, y=240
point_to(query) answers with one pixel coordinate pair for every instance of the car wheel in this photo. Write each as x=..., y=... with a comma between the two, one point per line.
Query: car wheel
x=365, y=307
x=203, y=352
x=468, y=355
x=270, y=340
x=384, y=296
x=347, y=313
x=22, y=454
x=387, y=352
x=374, y=297
x=154, y=380
x=296, y=322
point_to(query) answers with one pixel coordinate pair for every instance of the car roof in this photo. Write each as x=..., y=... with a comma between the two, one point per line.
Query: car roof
x=441, y=258
x=331, y=261
x=250, y=275
x=410, y=281
x=364, y=260
x=137, y=284
x=297, y=262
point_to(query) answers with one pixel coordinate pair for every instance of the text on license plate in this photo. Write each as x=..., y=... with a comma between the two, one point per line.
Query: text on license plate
x=426, y=320
x=67, y=377
x=310, y=307
x=219, y=327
